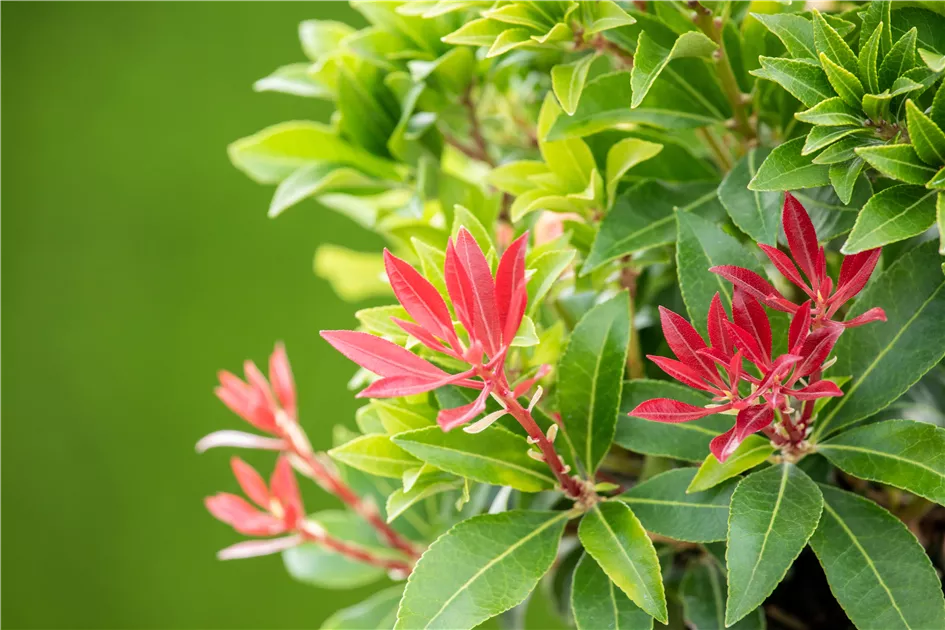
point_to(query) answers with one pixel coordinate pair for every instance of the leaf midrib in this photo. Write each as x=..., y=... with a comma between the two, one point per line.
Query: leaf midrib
x=643, y=587
x=501, y=462
x=860, y=449
x=632, y=499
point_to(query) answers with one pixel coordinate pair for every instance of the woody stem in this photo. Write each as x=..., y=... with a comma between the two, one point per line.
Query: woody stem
x=314, y=532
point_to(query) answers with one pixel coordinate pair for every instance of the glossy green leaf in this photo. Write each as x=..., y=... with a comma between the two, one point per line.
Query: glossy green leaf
x=755, y=213
x=804, y=80
x=664, y=507
x=597, y=604
x=687, y=440
x=590, y=378
x=940, y=219
x=317, y=179
x=898, y=60
x=514, y=177
x=651, y=58
x=832, y=112
x=319, y=37
x=927, y=139
x=843, y=150
x=493, y=456
x=786, y=168
x=401, y=499
x=614, y=537
x=843, y=177
x=794, y=31
x=567, y=81
x=892, y=215
x=570, y=160
x=605, y=15
x=481, y=567
x=397, y=415
x=868, y=60
x=898, y=161
x=754, y=450
x=296, y=79
x=701, y=244
x=934, y=61
x=377, y=611
x=828, y=42
x=876, y=568
x=902, y=453
x=548, y=266
x=844, y=82
x=877, y=13
x=375, y=454
x=623, y=156
x=820, y=137
x=773, y=514
x=886, y=359
x=703, y=590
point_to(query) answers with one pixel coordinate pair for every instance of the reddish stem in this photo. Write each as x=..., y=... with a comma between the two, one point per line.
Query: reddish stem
x=315, y=533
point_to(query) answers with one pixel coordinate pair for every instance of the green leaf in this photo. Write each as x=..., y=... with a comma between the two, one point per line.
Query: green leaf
x=831, y=217
x=868, y=59
x=886, y=359
x=377, y=611
x=702, y=590
x=902, y=453
x=828, y=42
x=934, y=61
x=898, y=60
x=927, y=139
x=843, y=150
x=773, y=514
x=651, y=58
x=514, y=177
x=377, y=320
x=322, y=567
x=432, y=261
x=891, y=215
x=353, y=275
x=753, y=451
x=877, y=13
x=898, y=161
x=804, y=80
x=295, y=79
x=844, y=176
x=876, y=568
x=688, y=441
x=940, y=222
x=605, y=15
x=614, y=537
x=481, y=567
x=937, y=113
x=833, y=112
x=570, y=160
x=597, y=604
x=397, y=415
x=820, y=137
x=494, y=456
x=276, y=152
x=317, y=179
x=844, y=82
x=623, y=156
x=401, y=499
x=795, y=32
x=548, y=266
x=590, y=378
x=701, y=244
x=786, y=168
x=755, y=213
x=482, y=32
x=567, y=81
x=376, y=455
x=663, y=506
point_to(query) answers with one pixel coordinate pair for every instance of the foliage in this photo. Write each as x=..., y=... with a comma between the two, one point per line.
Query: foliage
x=552, y=179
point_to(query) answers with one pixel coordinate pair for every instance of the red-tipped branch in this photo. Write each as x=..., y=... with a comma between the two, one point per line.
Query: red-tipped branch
x=314, y=532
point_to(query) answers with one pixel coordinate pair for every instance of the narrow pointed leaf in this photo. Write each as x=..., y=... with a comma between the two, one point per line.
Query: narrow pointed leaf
x=898, y=60
x=868, y=60
x=898, y=161
x=597, y=603
x=803, y=80
x=623, y=156
x=828, y=42
x=844, y=82
x=832, y=112
x=843, y=177
x=752, y=451
x=786, y=168
x=376, y=455
x=755, y=213
x=794, y=31
x=927, y=139
x=651, y=58
x=893, y=214
x=379, y=355
x=567, y=81
x=703, y=590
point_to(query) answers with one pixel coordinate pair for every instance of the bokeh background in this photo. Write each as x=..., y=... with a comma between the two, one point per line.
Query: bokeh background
x=137, y=262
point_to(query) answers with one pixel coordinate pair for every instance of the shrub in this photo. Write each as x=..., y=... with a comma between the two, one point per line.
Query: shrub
x=566, y=188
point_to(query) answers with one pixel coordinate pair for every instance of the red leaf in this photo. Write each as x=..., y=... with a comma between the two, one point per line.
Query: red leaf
x=510, y=288
x=800, y=326
x=801, y=237
x=419, y=297
x=752, y=419
x=459, y=286
x=722, y=446
x=784, y=265
x=379, y=355
x=875, y=314
x=685, y=343
x=681, y=372
x=746, y=342
x=280, y=375
x=751, y=316
x=755, y=286
x=251, y=482
x=396, y=386
x=421, y=334
x=718, y=332
x=820, y=389
x=482, y=303
x=816, y=348
x=240, y=515
x=246, y=402
x=452, y=418
x=286, y=491
x=855, y=271
x=672, y=411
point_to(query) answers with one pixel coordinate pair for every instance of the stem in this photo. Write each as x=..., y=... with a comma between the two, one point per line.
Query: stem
x=475, y=128
x=722, y=159
x=628, y=280
x=314, y=532
x=603, y=46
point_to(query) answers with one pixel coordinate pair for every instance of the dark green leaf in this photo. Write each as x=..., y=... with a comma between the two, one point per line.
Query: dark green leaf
x=786, y=168
x=614, y=537
x=868, y=60
x=663, y=506
x=703, y=590
x=893, y=214
x=598, y=605
x=590, y=378
x=902, y=453
x=481, y=567
x=828, y=42
x=842, y=150
x=832, y=112
x=493, y=456
x=755, y=213
x=795, y=32
x=899, y=59
x=844, y=176
x=820, y=137
x=753, y=451
x=805, y=80
x=898, y=161
x=651, y=58
x=927, y=139
x=876, y=568
x=886, y=359
x=773, y=514
x=377, y=611
x=937, y=113
x=844, y=82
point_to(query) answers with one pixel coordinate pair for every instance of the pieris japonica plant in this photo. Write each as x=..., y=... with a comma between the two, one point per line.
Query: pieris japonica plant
x=662, y=306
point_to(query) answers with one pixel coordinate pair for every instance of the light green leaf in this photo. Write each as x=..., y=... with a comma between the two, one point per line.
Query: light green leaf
x=481, y=567
x=514, y=177
x=354, y=276
x=804, y=80
x=688, y=441
x=902, y=453
x=494, y=456
x=548, y=266
x=567, y=81
x=401, y=499
x=664, y=507
x=570, y=160
x=877, y=13
x=786, y=168
x=597, y=604
x=376, y=455
x=377, y=611
x=937, y=112
x=703, y=590
x=898, y=161
x=319, y=37
x=891, y=215
x=833, y=112
x=773, y=514
x=933, y=60
x=886, y=359
x=755, y=213
x=828, y=42
x=296, y=79
x=868, y=60
x=614, y=537
x=510, y=40
x=651, y=58
x=521, y=14
x=397, y=415
x=844, y=82
x=605, y=15
x=753, y=451
x=876, y=568
x=820, y=137
x=320, y=178
x=377, y=320
x=526, y=335
x=927, y=139
x=701, y=244
x=795, y=32
x=938, y=180
x=898, y=60
x=431, y=263
x=590, y=378
x=623, y=156
x=482, y=32
x=842, y=150
x=940, y=220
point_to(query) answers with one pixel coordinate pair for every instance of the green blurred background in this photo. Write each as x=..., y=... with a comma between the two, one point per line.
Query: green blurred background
x=136, y=263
